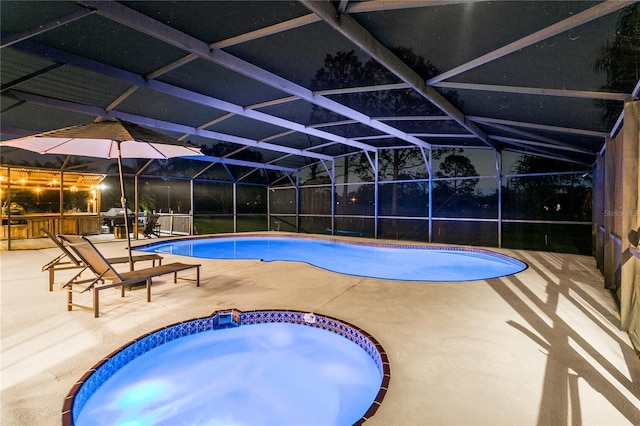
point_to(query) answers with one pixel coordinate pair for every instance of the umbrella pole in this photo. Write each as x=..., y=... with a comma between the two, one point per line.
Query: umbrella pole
x=125, y=209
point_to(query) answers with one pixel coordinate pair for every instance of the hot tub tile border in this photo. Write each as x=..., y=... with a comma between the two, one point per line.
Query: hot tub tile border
x=108, y=366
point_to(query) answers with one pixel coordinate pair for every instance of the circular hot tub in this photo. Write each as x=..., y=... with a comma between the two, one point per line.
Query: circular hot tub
x=233, y=367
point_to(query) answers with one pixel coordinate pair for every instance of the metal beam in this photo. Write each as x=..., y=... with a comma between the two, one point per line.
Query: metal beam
x=362, y=89
x=242, y=163
x=338, y=91
x=29, y=76
x=44, y=27
x=534, y=137
x=583, y=17
x=530, y=150
x=545, y=127
x=161, y=87
x=266, y=31
x=382, y=5
x=536, y=91
x=358, y=35
x=526, y=142
x=443, y=135
x=415, y=118
x=159, y=124
x=135, y=20
x=545, y=154
x=242, y=38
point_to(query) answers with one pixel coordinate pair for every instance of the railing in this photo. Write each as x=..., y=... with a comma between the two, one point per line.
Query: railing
x=175, y=224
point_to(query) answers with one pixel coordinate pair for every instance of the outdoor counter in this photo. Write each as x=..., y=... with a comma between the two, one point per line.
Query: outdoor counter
x=28, y=225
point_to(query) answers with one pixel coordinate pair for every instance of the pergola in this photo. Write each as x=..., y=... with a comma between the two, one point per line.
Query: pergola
x=271, y=89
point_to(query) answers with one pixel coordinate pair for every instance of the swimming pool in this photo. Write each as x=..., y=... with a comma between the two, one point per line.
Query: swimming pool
x=254, y=368
x=387, y=261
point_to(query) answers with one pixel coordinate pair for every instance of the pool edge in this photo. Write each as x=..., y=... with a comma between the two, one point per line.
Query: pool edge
x=150, y=340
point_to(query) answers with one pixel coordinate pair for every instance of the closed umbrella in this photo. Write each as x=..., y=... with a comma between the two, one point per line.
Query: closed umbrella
x=107, y=139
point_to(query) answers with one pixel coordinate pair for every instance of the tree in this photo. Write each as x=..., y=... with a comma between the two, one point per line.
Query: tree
x=547, y=193
x=457, y=166
x=620, y=60
x=344, y=69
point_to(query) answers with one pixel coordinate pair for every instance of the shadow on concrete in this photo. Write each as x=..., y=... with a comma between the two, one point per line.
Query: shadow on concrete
x=571, y=356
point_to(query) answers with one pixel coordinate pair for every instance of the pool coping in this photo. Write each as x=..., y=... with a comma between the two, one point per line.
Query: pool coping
x=82, y=390
x=485, y=251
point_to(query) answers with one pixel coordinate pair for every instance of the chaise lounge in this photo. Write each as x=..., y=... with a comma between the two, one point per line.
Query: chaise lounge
x=67, y=260
x=107, y=277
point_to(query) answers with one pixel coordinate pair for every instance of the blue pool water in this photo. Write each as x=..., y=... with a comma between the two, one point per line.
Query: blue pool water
x=271, y=373
x=409, y=263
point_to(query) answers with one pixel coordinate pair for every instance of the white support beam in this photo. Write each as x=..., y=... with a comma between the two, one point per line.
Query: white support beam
x=123, y=97
x=382, y=5
x=153, y=28
x=334, y=123
x=324, y=145
x=242, y=163
x=544, y=154
x=339, y=91
x=362, y=38
x=373, y=137
x=273, y=102
x=416, y=118
x=281, y=158
x=443, y=135
x=545, y=127
x=536, y=91
x=583, y=17
x=159, y=124
x=527, y=142
x=216, y=120
x=266, y=31
x=44, y=27
x=362, y=89
x=372, y=163
x=29, y=76
x=331, y=175
x=168, y=89
x=533, y=137
x=540, y=152
x=277, y=136
x=242, y=38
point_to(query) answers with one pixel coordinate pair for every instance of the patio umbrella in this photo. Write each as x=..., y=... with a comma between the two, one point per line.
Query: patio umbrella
x=107, y=139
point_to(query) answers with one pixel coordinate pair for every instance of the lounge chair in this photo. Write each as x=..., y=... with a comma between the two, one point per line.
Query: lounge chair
x=68, y=260
x=107, y=277
x=151, y=227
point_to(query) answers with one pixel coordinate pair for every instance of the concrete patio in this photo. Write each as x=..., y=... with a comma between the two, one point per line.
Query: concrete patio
x=542, y=347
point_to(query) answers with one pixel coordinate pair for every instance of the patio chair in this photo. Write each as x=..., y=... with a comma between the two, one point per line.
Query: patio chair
x=107, y=277
x=152, y=227
x=67, y=260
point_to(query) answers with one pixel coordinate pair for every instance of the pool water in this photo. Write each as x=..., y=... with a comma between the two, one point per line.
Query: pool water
x=410, y=263
x=257, y=374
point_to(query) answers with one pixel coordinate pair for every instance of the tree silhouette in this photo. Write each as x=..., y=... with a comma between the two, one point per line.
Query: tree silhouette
x=457, y=166
x=343, y=70
x=620, y=60
x=392, y=164
x=547, y=194
x=454, y=166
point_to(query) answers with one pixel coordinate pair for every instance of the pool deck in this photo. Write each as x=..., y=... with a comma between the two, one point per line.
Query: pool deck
x=541, y=347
